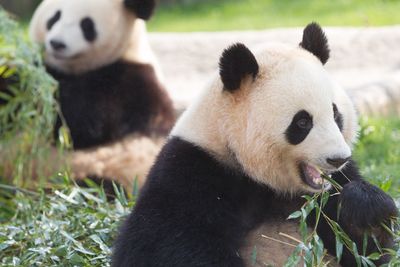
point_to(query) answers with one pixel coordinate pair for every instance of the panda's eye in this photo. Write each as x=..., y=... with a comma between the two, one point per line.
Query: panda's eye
x=299, y=128
x=50, y=23
x=88, y=29
x=337, y=116
x=335, y=111
x=304, y=123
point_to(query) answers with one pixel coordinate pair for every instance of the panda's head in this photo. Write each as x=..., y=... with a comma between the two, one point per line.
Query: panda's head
x=81, y=35
x=275, y=114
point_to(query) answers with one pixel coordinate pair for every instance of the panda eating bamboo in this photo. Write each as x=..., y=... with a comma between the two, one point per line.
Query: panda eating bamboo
x=239, y=159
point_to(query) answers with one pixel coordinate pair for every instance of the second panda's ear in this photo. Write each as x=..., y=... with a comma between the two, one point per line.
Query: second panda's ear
x=142, y=8
x=315, y=41
x=236, y=63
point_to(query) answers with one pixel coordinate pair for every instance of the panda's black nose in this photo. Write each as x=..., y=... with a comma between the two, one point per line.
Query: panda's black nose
x=337, y=162
x=57, y=45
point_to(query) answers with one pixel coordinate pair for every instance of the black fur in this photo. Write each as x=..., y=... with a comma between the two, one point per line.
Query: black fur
x=56, y=17
x=299, y=128
x=236, y=62
x=315, y=41
x=106, y=104
x=368, y=197
x=142, y=8
x=88, y=29
x=338, y=117
x=194, y=211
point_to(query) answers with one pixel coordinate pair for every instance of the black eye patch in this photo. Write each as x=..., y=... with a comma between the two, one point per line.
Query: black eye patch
x=88, y=29
x=338, y=117
x=299, y=128
x=56, y=17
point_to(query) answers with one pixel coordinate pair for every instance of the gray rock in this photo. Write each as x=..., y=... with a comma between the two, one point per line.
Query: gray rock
x=366, y=61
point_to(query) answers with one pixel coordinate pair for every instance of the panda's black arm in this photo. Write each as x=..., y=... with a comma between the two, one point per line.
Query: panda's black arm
x=170, y=237
x=177, y=250
x=362, y=206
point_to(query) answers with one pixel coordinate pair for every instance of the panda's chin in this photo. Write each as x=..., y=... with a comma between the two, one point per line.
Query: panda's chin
x=63, y=57
x=312, y=177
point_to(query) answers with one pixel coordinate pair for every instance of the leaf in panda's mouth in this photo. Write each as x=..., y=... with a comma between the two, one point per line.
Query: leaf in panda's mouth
x=313, y=176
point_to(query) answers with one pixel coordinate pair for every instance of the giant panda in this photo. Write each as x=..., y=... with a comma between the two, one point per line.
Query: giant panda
x=240, y=158
x=110, y=88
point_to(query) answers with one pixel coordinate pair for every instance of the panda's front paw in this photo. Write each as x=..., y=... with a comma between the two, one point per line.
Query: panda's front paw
x=365, y=206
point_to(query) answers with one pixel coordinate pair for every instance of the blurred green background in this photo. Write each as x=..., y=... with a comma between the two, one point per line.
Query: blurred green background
x=220, y=15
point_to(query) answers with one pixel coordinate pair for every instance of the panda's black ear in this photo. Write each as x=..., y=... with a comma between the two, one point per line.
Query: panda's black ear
x=315, y=41
x=142, y=8
x=236, y=62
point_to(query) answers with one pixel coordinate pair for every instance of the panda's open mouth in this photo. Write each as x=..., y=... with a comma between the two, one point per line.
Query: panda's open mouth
x=313, y=176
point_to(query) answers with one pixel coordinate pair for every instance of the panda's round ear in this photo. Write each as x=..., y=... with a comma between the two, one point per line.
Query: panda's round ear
x=315, y=41
x=236, y=62
x=142, y=8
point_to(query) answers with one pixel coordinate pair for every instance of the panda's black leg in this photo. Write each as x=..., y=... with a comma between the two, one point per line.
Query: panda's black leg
x=363, y=208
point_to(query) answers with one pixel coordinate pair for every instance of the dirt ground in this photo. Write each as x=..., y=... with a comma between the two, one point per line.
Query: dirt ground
x=366, y=61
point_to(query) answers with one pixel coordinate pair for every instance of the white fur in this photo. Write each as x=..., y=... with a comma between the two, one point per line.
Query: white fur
x=119, y=35
x=126, y=161
x=247, y=128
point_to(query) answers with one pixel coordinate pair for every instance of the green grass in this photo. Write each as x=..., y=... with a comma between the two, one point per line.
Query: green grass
x=378, y=152
x=221, y=15
x=68, y=227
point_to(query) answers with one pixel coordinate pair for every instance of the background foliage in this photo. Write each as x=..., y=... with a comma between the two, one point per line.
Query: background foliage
x=208, y=15
x=220, y=15
x=28, y=108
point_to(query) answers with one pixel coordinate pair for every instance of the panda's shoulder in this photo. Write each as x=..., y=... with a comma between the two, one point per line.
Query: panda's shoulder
x=183, y=162
x=183, y=169
x=130, y=71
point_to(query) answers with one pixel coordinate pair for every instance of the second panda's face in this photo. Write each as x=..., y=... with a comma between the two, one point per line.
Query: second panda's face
x=81, y=35
x=69, y=39
x=286, y=120
x=80, y=32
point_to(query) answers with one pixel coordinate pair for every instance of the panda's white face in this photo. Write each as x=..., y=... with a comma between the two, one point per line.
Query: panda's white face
x=289, y=133
x=277, y=115
x=82, y=35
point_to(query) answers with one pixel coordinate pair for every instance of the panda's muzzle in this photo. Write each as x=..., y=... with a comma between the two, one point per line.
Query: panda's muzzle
x=312, y=176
